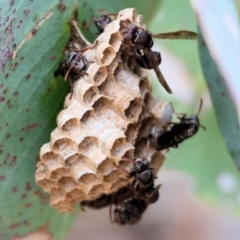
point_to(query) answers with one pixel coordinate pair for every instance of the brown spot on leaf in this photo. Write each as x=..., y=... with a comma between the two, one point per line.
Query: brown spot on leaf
x=4, y=91
x=24, y=195
x=7, y=124
x=14, y=225
x=34, y=31
x=85, y=26
x=26, y=12
x=28, y=186
x=28, y=205
x=7, y=156
x=2, y=99
x=16, y=93
x=2, y=178
x=26, y=223
x=21, y=58
x=6, y=76
x=8, y=135
x=61, y=6
x=28, y=76
x=29, y=127
x=20, y=139
x=49, y=90
x=53, y=58
x=27, y=110
x=14, y=189
x=14, y=66
x=223, y=94
x=14, y=161
x=12, y=2
x=209, y=85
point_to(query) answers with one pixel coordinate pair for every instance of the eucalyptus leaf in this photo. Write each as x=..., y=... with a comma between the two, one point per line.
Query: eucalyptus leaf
x=219, y=46
x=219, y=24
x=223, y=105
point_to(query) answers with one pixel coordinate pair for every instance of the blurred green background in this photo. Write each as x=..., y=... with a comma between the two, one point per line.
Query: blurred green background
x=204, y=157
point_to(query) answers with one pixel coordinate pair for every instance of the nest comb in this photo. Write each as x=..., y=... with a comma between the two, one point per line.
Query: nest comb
x=107, y=118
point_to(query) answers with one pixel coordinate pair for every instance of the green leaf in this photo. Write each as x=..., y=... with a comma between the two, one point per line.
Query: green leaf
x=32, y=39
x=219, y=46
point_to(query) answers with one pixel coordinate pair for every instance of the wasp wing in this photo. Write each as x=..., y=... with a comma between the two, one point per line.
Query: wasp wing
x=154, y=64
x=182, y=34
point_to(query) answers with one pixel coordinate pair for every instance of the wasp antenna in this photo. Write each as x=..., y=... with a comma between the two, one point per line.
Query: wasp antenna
x=67, y=73
x=200, y=106
x=87, y=48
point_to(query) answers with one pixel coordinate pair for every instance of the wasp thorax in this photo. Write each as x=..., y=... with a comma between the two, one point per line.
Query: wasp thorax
x=106, y=119
x=144, y=38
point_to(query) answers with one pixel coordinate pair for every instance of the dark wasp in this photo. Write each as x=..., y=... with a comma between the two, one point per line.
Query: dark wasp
x=142, y=174
x=187, y=127
x=129, y=207
x=74, y=65
x=139, y=41
x=101, y=22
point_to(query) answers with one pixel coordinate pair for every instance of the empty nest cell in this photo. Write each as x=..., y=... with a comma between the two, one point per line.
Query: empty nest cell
x=134, y=109
x=60, y=172
x=67, y=183
x=100, y=76
x=65, y=146
x=87, y=117
x=112, y=176
x=88, y=143
x=46, y=184
x=87, y=178
x=118, y=147
x=105, y=166
x=71, y=125
x=90, y=94
x=100, y=105
x=76, y=194
x=115, y=40
x=52, y=160
x=105, y=54
x=75, y=160
x=98, y=189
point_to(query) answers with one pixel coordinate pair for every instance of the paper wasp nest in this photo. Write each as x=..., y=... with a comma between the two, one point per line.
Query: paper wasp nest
x=107, y=118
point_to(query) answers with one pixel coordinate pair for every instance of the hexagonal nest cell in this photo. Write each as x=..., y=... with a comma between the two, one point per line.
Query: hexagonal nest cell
x=100, y=125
